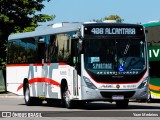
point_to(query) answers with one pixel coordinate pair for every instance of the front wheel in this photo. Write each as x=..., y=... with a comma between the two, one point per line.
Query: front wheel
x=122, y=103
x=68, y=103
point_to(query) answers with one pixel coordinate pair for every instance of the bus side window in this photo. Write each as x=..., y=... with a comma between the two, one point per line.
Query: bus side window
x=52, y=49
x=40, y=50
x=64, y=47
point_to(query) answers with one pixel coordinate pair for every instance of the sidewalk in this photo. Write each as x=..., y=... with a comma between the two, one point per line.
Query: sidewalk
x=9, y=95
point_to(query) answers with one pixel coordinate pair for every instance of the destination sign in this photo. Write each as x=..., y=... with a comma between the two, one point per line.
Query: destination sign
x=119, y=31
x=112, y=30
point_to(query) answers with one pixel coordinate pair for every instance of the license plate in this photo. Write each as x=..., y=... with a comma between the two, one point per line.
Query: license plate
x=117, y=97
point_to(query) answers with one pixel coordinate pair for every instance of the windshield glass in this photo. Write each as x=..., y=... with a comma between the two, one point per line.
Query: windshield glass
x=115, y=56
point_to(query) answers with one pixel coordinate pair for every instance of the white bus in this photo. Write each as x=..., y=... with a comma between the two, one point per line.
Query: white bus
x=78, y=63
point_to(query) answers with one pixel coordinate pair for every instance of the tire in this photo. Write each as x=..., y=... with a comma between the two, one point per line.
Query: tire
x=66, y=102
x=122, y=104
x=30, y=101
x=27, y=98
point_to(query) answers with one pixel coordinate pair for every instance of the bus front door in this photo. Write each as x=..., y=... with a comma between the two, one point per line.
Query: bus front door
x=76, y=71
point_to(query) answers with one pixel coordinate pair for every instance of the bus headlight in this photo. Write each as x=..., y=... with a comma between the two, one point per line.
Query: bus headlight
x=89, y=83
x=144, y=83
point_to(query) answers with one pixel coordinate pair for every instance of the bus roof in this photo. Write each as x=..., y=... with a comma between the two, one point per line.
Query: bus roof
x=46, y=30
x=60, y=28
x=152, y=24
x=112, y=24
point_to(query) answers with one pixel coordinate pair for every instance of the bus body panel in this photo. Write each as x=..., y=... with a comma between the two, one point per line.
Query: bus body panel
x=43, y=81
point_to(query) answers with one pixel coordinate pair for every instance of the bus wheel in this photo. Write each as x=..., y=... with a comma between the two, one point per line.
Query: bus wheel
x=67, y=102
x=28, y=99
x=122, y=103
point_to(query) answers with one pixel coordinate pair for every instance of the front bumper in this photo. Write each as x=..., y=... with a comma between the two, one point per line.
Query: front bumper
x=98, y=94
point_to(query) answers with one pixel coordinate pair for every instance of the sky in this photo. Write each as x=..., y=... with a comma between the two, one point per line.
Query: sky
x=132, y=11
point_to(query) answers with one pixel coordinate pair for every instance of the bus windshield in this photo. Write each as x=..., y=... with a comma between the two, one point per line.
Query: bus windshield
x=115, y=56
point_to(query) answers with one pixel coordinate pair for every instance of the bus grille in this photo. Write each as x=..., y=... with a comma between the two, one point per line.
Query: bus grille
x=127, y=94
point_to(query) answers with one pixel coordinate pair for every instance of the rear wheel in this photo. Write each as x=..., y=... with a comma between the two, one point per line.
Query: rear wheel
x=122, y=103
x=28, y=99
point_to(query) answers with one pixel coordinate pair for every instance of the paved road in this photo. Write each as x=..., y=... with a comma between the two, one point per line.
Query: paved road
x=92, y=110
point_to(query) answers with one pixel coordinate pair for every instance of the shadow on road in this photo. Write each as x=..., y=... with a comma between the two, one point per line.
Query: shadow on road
x=110, y=106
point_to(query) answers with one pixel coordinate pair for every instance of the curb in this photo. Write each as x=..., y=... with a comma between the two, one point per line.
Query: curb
x=9, y=95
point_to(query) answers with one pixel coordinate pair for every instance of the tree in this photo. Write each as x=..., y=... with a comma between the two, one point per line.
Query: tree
x=111, y=17
x=17, y=16
x=114, y=17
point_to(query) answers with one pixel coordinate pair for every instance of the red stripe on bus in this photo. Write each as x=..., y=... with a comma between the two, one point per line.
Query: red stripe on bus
x=21, y=65
x=62, y=63
x=34, y=80
x=17, y=65
x=38, y=64
x=118, y=82
x=21, y=86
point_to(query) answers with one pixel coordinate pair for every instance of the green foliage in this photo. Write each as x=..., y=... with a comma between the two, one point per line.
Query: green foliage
x=114, y=17
x=111, y=17
x=2, y=59
x=19, y=16
x=3, y=64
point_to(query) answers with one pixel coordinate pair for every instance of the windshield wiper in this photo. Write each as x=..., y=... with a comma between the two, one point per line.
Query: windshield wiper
x=126, y=49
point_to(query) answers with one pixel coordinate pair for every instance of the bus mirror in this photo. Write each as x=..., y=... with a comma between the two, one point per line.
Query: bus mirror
x=146, y=31
x=76, y=35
